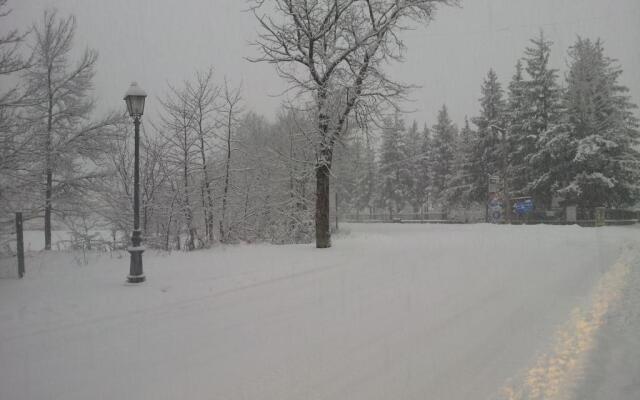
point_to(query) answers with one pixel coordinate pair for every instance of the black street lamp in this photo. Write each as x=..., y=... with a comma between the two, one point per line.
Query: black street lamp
x=134, y=98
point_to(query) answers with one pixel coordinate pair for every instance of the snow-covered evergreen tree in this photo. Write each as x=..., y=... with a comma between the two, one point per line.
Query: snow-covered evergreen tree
x=443, y=151
x=423, y=164
x=486, y=156
x=517, y=172
x=599, y=157
x=464, y=181
x=413, y=153
x=539, y=118
x=394, y=173
x=367, y=182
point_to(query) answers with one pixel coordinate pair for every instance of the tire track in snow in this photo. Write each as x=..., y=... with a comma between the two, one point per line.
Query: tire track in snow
x=556, y=374
x=168, y=308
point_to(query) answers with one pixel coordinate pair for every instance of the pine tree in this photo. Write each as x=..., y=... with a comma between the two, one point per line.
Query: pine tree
x=517, y=136
x=442, y=157
x=350, y=172
x=487, y=152
x=599, y=157
x=413, y=153
x=540, y=117
x=393, y=171
x=423, y=174
x=356, y=193
x=464, y=182
x=369, y=184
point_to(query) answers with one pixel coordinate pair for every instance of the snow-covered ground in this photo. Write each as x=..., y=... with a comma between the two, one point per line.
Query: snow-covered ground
x=390, y=312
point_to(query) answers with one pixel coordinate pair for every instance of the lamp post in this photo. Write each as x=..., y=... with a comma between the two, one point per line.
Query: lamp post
x=134, y=98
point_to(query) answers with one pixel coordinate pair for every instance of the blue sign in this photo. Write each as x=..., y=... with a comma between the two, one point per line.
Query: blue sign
x=523, y=207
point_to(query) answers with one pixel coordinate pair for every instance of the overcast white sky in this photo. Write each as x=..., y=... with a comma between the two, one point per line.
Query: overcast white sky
x=159, y=41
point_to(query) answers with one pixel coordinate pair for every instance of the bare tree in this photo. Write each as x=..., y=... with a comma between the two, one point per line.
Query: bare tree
x=231, y=108
x=177, y=129
x=11, y=59
x=62, y=108
x=253, y=177
x=296, y=157
x=202, y=95
x=15, y=158
x=113, y=193
x=154, y=176
x=333, y=52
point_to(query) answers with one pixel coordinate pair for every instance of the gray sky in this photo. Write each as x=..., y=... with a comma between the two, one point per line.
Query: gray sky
x=159, y=41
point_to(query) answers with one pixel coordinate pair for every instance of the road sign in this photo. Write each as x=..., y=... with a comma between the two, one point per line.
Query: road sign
x=523, y=206
x=493, y=184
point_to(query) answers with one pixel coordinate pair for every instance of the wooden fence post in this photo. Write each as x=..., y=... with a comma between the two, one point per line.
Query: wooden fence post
x=336, y=194
x=20, y=244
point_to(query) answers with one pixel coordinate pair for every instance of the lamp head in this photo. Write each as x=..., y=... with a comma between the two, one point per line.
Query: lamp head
x=134, y=98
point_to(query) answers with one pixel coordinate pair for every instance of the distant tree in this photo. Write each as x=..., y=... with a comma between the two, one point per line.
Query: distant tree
x=202, y=96
x=16, y=158
x=516, y=109
x=11, y=59
x=334, y=53
x=413, y=148
x=367, y=177
x=486, y=155
x=596, y=155
x=423, y=175
x=177, y=128
x=464, y=189
x=443, y=150
x=231, y=109
x=393, y=171
x=541, y=115
x=299, y=160
x=348, y=170
x=275, y=175
x=263, y=174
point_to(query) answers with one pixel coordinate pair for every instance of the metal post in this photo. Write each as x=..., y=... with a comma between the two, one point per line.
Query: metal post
x=505, y=184
x=336, y=194
x=600, y=217
x=136, y=275
x=486, y=208
x=20, y=244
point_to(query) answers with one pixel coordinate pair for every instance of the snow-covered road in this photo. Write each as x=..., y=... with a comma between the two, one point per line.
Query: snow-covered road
x=390, y=312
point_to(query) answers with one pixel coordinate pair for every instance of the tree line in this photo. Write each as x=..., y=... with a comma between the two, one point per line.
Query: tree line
x=214, y=172
x=211, y=171
x=573, y=141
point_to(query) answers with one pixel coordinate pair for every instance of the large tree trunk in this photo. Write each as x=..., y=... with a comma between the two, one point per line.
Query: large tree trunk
x=190, y=245
x=49, y=172
x=336, y=210
x=223, y=232
x=323, y=233
x=47, y=211
x=207, y=197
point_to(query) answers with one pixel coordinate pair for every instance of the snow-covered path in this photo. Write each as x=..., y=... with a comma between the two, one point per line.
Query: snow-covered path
x=390, y=312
